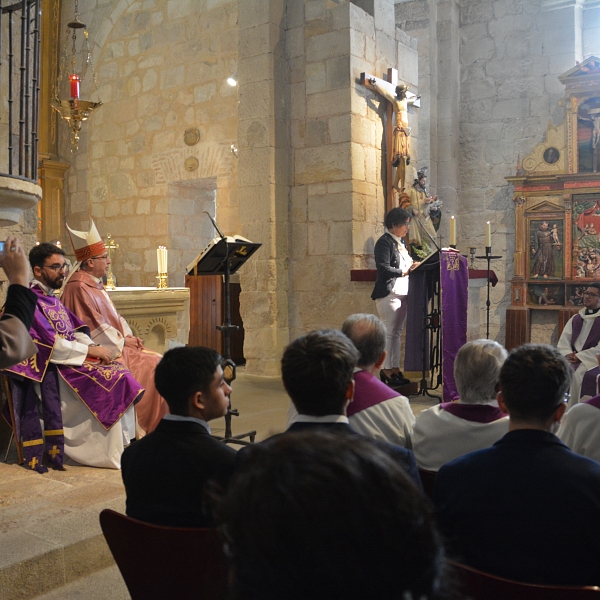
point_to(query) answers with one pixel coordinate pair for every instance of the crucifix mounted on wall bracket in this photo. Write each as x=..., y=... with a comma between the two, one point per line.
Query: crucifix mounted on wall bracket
x=397, y=131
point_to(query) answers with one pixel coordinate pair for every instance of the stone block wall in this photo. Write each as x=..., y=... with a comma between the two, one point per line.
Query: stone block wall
x=337, y=201
x=504, y=59
x=310, y=165
x=162, y=67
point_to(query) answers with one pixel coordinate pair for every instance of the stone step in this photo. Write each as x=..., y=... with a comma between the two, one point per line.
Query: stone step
x=101, y=585
x=50, y=534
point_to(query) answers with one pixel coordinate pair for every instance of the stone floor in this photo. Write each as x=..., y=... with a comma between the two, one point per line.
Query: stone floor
x=51, y=546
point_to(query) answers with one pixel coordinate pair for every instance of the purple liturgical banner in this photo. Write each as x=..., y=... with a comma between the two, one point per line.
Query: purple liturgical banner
x=454, y=279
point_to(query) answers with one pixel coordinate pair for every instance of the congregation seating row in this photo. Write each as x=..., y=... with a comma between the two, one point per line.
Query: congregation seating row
x=178, y=562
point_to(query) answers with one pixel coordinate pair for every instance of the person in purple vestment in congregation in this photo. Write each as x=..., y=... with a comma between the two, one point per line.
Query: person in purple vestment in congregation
x=449, y=430
x=377, y=411
x=87, y=400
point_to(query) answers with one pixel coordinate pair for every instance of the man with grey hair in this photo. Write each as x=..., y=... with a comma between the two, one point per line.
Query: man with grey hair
x=449, y=430
x=378, y=411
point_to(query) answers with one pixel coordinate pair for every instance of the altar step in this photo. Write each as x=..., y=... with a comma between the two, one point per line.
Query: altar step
x=49, y=530
x=51, y=545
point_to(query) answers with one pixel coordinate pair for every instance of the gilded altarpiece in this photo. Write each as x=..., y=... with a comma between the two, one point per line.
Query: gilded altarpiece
x=557, y=208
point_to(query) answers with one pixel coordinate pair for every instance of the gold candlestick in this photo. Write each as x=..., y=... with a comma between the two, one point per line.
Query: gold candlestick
x=110, y=246
x=162, y=281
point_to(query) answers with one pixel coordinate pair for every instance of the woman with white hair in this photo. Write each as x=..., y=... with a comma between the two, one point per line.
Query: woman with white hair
x=449, y=430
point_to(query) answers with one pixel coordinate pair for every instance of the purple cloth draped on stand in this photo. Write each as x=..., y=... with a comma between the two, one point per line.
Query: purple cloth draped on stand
x=453, y=276
x=455, y=297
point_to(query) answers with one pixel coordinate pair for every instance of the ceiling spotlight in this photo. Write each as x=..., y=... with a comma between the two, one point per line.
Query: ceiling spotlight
x=232, y=81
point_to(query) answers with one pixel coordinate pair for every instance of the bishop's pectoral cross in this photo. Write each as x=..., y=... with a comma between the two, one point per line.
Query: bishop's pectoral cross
x=397, y=132
x=110, y=246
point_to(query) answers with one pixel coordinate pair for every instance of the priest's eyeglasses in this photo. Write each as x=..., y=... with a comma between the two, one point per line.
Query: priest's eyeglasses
x=590, y=294
x=105, y=257
x=56, y=268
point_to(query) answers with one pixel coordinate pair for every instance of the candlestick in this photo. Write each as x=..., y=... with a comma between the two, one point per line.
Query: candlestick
x=162, y=281
x=488, y=235
x=452, y=231
x=74, y=85
x=472, y=251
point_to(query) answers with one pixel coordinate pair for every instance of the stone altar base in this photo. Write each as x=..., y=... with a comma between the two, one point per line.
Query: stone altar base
x=160, y=317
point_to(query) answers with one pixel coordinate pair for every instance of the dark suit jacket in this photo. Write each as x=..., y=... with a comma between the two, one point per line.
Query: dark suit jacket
x=387, y=260
x=527, y=509
x=166, y=471
x=401, y=455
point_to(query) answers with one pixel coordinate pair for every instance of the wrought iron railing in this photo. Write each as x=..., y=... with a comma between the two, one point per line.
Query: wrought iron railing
x=20, y=45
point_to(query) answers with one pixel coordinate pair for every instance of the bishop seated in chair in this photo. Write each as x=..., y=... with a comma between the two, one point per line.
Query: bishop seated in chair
x=84, y=295
x=86, y=398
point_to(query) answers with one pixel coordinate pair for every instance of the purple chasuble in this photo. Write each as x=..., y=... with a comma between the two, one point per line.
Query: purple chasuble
x=476, y=413
x=107, y=390
x=368, y=392
x=593, y=337
x=595, y=401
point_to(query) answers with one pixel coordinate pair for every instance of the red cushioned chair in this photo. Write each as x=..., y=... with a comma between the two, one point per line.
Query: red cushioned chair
x=478, y=585
x=166, y=562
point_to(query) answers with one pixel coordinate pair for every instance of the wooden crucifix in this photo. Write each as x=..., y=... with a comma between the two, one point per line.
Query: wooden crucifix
x=397, y=131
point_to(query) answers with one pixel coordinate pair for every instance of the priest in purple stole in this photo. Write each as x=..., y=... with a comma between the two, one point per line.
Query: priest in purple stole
x=84, y=295
x=580, y=339
x=87, y=400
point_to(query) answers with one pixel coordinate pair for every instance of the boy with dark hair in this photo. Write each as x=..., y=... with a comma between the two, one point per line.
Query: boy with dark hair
x=320, y=515
x=165, y=472
x=317, y=371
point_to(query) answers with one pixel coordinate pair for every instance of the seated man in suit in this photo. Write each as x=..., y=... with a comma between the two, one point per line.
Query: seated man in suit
x=165, y=473
x=317, y=515
x=527, y=508
x=317, y=371
x=449, y=430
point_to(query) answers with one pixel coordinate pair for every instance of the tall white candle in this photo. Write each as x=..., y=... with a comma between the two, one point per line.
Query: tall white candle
x=488, y=235
x=452, y=231
x=161, y=257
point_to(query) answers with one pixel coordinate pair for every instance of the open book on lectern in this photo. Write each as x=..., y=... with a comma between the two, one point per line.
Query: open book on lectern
x=431, y=260
x=211, y=261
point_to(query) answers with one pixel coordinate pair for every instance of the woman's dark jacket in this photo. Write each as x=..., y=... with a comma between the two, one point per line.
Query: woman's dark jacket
x=387, y=260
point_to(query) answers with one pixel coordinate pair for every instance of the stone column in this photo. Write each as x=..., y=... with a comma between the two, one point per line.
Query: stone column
x=263, y=179
x=448, y=108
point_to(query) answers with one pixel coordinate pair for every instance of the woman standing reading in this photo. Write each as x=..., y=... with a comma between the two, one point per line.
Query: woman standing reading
x=391, y=288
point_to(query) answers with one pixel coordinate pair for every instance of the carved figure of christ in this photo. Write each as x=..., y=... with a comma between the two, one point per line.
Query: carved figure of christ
x=398, y=133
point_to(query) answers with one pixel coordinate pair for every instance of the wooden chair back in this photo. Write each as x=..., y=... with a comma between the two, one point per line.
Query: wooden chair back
x=478, y=585
x=166, y=562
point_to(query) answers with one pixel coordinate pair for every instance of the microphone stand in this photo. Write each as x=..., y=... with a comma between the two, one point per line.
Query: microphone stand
x=428, y=324
x=229, y=369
